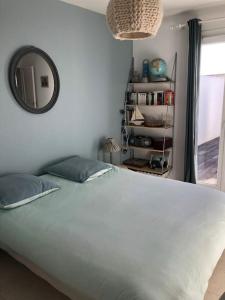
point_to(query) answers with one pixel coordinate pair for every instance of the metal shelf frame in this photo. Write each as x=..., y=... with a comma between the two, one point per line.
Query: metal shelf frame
x=129, y=129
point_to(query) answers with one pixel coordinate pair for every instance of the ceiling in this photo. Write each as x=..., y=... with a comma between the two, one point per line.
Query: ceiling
x=171, y=6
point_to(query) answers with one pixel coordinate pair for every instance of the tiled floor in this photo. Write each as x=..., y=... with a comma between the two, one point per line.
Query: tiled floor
x=18, y=283
x=208, y=162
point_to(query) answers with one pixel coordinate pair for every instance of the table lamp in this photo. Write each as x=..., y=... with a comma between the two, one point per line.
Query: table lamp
x=110, y=146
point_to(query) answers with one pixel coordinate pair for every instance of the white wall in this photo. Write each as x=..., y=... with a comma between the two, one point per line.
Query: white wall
x=210, y=108
x=166, y=43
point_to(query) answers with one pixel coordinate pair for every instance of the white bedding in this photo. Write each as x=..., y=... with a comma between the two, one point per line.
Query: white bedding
x=124, y=236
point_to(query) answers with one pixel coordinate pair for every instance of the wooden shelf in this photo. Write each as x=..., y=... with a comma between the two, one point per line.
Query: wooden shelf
x=150, y=149
x=146, y=169
x=143, y=105
x=152, y=86
x=142, y=126
x=154, y=82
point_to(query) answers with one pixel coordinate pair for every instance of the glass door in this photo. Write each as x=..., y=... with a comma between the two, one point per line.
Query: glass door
x=221, y=161
x=211, y=125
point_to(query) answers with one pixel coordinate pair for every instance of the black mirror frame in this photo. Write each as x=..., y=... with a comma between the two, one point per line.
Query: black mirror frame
x=12, y=67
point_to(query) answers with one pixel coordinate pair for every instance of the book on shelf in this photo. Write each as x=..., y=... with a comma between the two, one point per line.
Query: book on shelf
x=151, y=98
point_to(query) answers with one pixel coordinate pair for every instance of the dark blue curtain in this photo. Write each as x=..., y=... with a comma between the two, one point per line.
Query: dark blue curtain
x=195, y=38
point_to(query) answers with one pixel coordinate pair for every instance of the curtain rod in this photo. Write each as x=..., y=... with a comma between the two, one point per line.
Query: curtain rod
x=213, y=29
x=182, y=26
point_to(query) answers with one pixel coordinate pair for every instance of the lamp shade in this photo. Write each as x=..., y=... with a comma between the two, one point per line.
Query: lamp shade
x=110, y=146
x=134, y=19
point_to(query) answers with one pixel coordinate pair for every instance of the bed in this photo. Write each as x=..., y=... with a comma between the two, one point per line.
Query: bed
x=123, y=236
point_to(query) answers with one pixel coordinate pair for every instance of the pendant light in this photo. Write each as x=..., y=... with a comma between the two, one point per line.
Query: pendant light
x=134, y=19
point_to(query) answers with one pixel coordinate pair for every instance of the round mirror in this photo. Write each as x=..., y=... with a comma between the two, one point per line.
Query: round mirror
x=34, y=80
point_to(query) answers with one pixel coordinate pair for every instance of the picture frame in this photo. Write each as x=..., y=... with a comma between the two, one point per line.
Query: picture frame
x=44, y=82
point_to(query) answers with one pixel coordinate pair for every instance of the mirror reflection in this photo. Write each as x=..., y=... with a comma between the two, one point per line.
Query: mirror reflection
x=34, y=81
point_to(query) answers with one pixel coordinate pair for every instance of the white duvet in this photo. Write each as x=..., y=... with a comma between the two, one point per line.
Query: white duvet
x=124, y=236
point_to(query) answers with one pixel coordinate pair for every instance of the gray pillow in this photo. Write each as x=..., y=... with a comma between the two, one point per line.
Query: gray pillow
x=79, y=169
x=20, y=189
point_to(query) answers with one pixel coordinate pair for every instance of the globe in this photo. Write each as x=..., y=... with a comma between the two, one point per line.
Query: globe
x=158, y=68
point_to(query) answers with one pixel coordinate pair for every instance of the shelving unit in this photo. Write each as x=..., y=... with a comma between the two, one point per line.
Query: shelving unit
x=167, y=130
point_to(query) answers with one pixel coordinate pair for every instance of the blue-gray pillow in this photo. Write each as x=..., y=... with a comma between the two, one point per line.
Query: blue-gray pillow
x=19, y=189
x=78, y=169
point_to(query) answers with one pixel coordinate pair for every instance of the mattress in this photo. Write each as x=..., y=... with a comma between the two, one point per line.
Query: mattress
x=123, y=236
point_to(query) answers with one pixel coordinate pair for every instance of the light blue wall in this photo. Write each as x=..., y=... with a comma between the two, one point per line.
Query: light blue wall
x=93, y=70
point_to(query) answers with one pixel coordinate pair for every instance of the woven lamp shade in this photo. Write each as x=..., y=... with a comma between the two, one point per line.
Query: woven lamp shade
x=110, y=146
x=134, y=19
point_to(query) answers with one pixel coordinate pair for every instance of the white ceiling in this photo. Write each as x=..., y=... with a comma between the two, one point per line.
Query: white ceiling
x=171, y=6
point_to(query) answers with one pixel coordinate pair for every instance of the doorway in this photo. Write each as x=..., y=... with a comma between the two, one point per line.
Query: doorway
x=211, y=115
